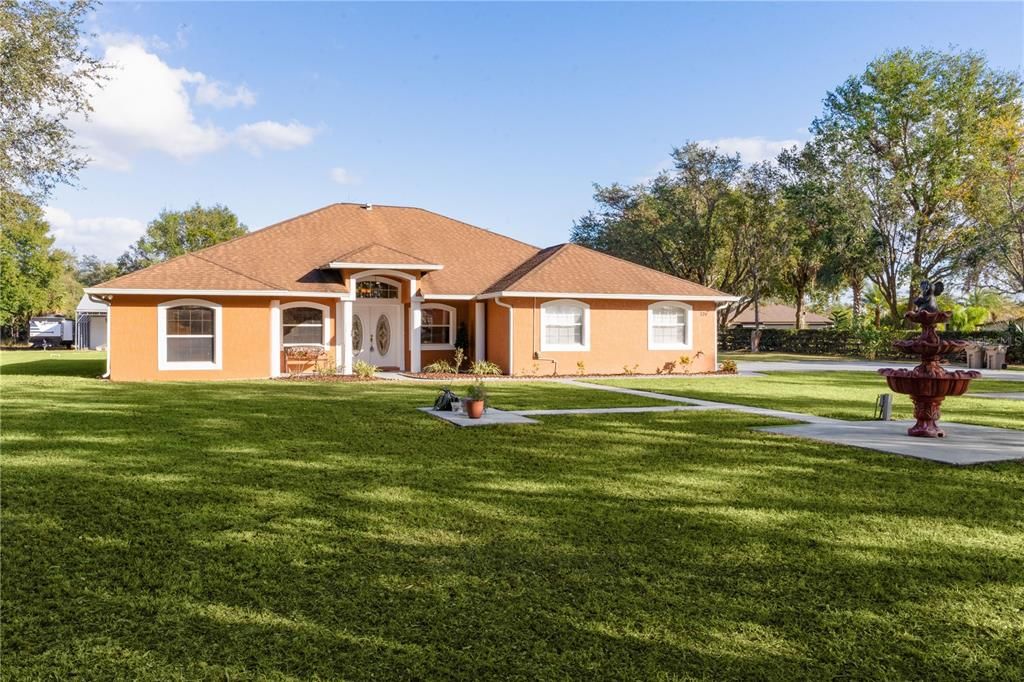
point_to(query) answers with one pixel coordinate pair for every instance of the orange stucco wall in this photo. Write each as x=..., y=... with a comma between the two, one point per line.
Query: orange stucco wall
x=245, y=338
x=618, y=337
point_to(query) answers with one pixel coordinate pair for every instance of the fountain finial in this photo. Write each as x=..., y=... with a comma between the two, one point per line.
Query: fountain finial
x=926, y=301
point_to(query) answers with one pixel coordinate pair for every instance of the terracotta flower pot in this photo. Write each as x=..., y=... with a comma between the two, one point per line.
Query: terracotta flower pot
x=474, y=408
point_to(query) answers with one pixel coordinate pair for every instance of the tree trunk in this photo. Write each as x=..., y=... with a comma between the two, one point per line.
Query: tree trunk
x=857, y=287
x=800, y=323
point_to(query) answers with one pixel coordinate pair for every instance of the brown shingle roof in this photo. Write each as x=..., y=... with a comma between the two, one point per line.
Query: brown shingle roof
x=378, y=253
x=774, y=313
x=570, y=268
x=290, y=255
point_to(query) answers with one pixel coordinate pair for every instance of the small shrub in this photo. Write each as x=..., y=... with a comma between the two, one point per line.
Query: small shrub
x=626, y=369
x=460, y=357
x=364, y=370
x=325, y=368
x=685, y=361
x=440, y=367
x=728, y=366
x=483, y=367
x=581, y=368
x=667, y=368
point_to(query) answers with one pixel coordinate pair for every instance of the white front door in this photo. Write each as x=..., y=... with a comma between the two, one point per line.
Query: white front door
x=377, y=334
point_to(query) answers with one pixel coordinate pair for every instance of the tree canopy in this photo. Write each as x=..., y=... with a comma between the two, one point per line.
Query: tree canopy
x=47, y=74
x=174, y=233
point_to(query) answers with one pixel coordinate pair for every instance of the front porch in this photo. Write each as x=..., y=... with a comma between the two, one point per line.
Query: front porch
x=384, y=321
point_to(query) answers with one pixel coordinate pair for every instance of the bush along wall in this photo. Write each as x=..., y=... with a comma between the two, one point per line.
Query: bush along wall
x=868, y=342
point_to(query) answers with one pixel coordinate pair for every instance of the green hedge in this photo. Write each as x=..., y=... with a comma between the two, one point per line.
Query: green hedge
x=870, y=342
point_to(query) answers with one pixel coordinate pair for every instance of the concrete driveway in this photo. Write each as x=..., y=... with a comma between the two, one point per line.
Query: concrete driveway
x=856, y=366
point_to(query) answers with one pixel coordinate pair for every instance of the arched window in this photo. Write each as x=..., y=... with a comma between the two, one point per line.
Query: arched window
x=668, y=326
x=303, y=324
x=376, y=288
x=189, y=334
x=437, y=326
x=565, y=325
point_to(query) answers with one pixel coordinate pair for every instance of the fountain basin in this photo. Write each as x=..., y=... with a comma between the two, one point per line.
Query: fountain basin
x=917, y=382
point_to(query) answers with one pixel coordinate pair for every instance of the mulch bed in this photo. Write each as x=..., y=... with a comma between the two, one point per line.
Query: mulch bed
x=328, y=378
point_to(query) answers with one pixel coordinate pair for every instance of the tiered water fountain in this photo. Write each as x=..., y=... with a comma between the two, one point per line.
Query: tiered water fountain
x=928, y=384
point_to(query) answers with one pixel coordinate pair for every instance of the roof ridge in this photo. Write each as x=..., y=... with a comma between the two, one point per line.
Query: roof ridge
x=456, y=220
x=638, y=265
x=240, y=237
x=505, y=282
x=272, y=285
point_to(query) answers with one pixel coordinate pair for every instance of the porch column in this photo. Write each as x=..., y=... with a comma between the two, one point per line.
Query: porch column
x=480, y=332
x=275, y=338
x=415, y=317
x=343, y=344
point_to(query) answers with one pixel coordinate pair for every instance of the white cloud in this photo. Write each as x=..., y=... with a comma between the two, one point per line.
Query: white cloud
x=106, y=237
x=255, y=137
x=342, y=176
x=218, y=95
x=751, y=149
x=147, y=105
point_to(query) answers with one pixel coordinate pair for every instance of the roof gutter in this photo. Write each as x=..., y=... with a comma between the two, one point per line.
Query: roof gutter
x=724, y=298
x=104, y=291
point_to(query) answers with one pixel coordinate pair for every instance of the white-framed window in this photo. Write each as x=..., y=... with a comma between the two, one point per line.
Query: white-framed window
x=189, y=334
x=304, y=324
x=564, y=325
x=437, y=327
x=378, y=287
x=669, y=326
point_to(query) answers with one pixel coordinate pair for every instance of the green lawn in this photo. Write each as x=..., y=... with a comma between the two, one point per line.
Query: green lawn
x=517, y=395
x=842, y=395
x=280, y=530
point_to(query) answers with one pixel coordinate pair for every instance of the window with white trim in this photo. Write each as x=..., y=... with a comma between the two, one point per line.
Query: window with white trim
x=565, y=325
x=668, y=326
x=189, y=335
x=437, y=326
x=376, y=288
x=302, y=326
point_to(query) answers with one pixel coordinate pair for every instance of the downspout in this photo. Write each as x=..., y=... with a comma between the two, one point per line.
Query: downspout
x=511, y=330
x=110, y=309
x=533, y=334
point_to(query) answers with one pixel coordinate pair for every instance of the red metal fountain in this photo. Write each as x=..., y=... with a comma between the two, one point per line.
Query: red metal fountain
x=928, y=384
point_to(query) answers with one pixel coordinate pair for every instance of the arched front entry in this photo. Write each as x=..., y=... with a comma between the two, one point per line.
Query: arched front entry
x=377, y=331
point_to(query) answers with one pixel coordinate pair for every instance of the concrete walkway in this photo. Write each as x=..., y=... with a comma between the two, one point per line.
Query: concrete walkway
x=964, y=444
x=1003, y=396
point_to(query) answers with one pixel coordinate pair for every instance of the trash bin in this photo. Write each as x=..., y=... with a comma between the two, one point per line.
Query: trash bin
x=975, y=356
x=995, y=357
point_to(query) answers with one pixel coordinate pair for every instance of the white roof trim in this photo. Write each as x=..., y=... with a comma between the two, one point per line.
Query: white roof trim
x=340, y=265
x=101, y=291
x=621, y=297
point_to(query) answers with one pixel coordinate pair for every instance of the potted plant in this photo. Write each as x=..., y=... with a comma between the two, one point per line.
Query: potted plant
x=476, y=399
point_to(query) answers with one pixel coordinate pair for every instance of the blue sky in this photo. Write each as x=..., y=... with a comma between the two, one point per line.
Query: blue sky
x=502, y=115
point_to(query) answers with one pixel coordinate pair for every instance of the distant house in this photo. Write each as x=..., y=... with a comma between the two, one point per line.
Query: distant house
x=775, y=316
x=399, y=288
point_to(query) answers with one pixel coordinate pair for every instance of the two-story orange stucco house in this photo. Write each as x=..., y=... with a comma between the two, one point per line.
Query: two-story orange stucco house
x=394, y=286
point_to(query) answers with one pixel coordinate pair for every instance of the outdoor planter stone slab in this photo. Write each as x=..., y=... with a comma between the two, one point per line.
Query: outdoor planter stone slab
x=490, y=418
x=964, y=443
